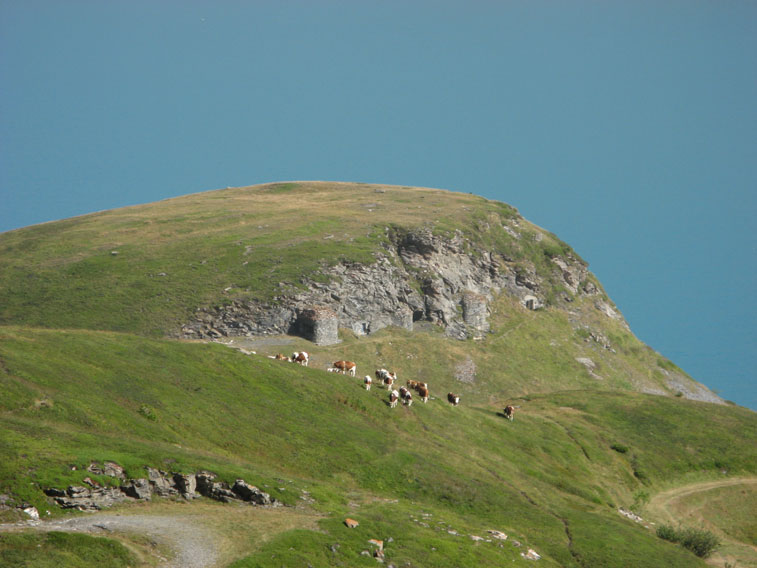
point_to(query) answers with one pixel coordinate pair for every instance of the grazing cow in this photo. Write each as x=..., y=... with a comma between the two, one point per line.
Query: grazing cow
x=411, y=384
x=423, y=393
x=367, y=382
x=510, y=412
x=420, y=385
x=408, y=398
x=300, y=357
x=388, y=382
x=403, y=392
x=346, y=367
x=453, y=399
x=381, y=374
x=393, y=398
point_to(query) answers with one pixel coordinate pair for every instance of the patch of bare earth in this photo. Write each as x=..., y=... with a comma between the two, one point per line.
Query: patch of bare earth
x=184, y=535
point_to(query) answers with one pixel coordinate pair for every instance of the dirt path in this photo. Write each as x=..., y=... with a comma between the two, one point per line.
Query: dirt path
x=660, y=504
x=192, y=544
x=663, y=507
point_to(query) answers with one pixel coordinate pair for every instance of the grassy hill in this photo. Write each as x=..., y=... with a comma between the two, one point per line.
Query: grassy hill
x=89, y=374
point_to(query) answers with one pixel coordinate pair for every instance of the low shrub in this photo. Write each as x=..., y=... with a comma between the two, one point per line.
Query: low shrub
x=699, y=541
x=668, y=532
x=620, y=448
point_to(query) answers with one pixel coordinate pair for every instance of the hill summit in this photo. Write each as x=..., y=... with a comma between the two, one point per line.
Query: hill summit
x=313, y=258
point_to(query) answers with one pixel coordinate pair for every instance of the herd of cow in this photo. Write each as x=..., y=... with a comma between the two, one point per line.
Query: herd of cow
x=386, y=378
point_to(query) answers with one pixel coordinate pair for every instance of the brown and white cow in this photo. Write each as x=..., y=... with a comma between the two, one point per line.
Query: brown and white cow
x=423, y=393
x=411, y=384
x=280, y=357
x=408, y=398
x=393, y=398
x=346, y=367
x=300, y=357
x=510, y=412
x=403, y=392
x=453, y=399
x=367, y=382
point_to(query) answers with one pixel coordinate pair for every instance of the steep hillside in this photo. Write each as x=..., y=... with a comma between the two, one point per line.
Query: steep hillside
x=550, y=479
x=128, y=379
x=312, y=258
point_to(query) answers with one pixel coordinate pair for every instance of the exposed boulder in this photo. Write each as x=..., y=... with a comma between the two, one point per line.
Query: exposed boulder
x=186, y=484
x=161, y=483
x=86, y=499
x=248, y=492
x=137, y=489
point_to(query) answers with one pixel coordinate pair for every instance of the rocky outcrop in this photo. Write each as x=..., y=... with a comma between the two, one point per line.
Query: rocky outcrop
x=419, y=276
x=96, y=496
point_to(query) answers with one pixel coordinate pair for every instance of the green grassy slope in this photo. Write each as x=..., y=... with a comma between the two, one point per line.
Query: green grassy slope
x=549, y=479
x=175, y=255
x=209, y=248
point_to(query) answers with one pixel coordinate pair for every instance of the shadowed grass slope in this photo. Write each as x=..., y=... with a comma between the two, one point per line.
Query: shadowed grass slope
x=549, y=479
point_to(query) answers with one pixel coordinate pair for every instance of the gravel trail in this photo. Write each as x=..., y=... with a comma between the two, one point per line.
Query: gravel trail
x=193, y=545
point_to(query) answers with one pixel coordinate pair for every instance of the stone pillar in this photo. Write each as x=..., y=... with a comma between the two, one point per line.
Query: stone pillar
x=319, y=324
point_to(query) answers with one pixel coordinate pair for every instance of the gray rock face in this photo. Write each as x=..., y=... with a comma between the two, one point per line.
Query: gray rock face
x=137, y=489
x=186, y=484
x=85, y=498
x=250, y=493
x=419, y=277
x=160, y=483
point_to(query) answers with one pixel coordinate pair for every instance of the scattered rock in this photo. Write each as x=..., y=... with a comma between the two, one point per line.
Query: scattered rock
x=465, y=372
x=530, y=555
x=32, y=512
x=498, y=534
x=630, y=514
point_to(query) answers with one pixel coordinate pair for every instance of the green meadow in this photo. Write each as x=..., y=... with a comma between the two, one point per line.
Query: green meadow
x=90, y=373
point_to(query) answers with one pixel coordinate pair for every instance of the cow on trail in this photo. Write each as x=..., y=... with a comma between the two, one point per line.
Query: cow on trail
x=300, y=357
x=453, y=399
x=346, y=367
x=367, y=382
x=509, y=412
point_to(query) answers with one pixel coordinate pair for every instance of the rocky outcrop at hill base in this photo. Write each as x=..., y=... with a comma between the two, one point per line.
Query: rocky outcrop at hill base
x=95, y=496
